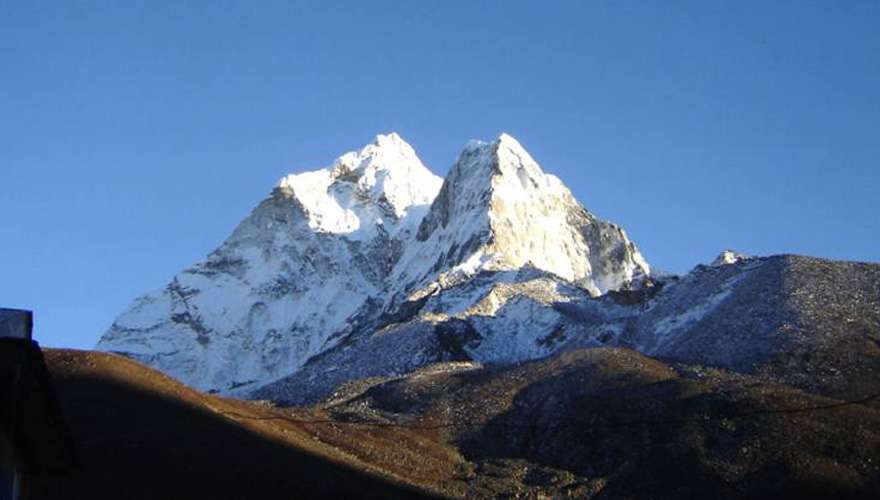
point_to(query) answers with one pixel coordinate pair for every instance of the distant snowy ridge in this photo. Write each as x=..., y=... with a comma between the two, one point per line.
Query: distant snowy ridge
x=333, y=256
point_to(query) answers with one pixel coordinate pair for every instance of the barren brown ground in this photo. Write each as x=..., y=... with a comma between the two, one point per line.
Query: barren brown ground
x=597, y=423
x=141, y=434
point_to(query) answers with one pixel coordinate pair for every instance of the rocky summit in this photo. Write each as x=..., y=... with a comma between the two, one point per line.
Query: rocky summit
x=473, y=263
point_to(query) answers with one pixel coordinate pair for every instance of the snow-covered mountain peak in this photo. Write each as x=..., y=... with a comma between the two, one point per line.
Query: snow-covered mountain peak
x=498, y=210
x=285, y=285
x=729, y=257
x=502, y=169
x=386, y=153
x=510, y=151
x=335, y=252
x=499, y=155
x=378, y=185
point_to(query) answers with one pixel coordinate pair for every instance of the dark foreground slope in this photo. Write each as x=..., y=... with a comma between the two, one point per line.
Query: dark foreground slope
x=612, y=423
x=140, y=434
x=597, y=423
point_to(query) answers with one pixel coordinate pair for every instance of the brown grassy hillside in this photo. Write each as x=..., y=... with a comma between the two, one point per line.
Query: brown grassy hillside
x=140, y=434
x=598, y=423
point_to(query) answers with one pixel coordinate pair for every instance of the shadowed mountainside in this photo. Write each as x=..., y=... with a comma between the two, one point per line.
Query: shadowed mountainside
x=612, y=423
x=140, y=434
x=595, y=423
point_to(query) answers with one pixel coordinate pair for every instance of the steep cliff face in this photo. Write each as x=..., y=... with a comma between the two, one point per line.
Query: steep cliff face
x=472, y=269
x=499, y=211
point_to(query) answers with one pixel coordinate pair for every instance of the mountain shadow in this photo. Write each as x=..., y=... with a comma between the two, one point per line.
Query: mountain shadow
x=140, y=434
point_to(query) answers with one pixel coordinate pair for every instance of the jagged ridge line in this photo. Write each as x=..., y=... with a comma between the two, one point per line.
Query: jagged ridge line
x=569, y=423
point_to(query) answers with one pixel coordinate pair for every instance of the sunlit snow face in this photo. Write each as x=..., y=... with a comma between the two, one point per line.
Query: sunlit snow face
x=339, y=244
x=523, y=217
x=379, y=185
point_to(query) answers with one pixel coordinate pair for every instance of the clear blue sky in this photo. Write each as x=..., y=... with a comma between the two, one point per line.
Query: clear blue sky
x=134, y=137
